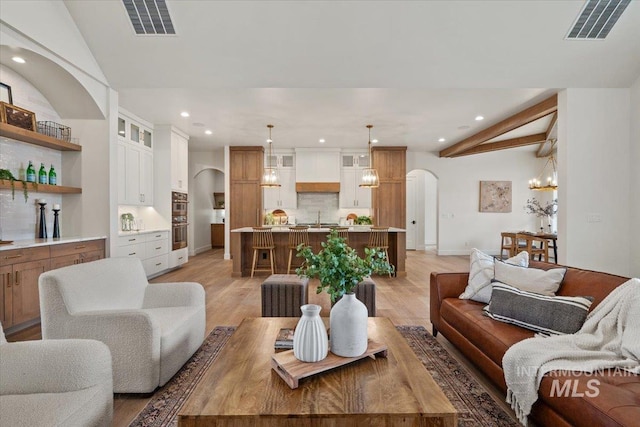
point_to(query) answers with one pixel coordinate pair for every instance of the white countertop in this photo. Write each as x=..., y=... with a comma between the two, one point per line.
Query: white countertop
x=285, y=229
x=30, y=243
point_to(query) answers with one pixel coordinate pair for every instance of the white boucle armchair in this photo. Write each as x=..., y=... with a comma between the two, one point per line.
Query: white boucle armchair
x=151, y=329
x=55, y=383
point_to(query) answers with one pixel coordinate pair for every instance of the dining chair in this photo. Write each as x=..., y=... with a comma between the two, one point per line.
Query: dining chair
x=530, y=242
x=508, y=244
x=343, y=232
x=379, y=238
x=263, y=240
x=297, y=235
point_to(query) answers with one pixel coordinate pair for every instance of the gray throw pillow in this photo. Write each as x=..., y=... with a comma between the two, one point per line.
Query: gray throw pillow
x=548, y=315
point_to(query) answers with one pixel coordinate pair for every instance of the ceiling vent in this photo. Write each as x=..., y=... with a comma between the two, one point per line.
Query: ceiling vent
x=596, y=19
x=149, y=17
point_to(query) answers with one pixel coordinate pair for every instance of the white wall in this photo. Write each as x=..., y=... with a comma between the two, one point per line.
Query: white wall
x=634, y=158
x=203, y=182
x=430, y=209
x=461, y=225
x=50, y=24
x=594, y=162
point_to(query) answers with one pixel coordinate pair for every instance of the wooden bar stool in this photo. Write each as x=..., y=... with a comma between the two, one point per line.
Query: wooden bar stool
x=379, y=238
x=508, y=244
x=297, y=235
x=263, y=240
x=530, y=241
x=343, y=232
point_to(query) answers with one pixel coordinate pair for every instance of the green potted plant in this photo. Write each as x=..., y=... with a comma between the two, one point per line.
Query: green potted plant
x=340, y=269
x=6, y=175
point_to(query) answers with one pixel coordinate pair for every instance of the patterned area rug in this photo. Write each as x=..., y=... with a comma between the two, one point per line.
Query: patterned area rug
x=474, y=405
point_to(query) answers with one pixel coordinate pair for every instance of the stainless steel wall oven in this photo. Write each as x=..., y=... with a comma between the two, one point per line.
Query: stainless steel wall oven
x=179, y=222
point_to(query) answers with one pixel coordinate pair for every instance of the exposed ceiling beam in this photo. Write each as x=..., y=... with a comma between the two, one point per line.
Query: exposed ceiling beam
x=546, y=107
x=503, y=145
x=546, y=146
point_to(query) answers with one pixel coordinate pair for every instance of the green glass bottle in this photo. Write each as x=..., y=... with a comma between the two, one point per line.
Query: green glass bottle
x=53, y=177
x=31, y=173
x=42, y=175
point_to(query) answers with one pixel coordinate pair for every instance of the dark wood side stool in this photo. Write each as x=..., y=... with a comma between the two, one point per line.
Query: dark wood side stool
x=283, y=294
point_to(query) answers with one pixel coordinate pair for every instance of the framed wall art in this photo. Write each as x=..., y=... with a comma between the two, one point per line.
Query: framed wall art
x=495, y=196
x=17, y=116
x=5, y=93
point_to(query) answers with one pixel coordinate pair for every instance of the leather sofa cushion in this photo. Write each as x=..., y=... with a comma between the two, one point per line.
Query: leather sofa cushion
x=493, y=338
x=613, y=400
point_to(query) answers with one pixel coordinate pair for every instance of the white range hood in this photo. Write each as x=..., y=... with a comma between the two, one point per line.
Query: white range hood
x=317, y=171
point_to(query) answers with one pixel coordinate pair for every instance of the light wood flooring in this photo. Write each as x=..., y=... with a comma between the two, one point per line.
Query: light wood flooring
x=405, y=300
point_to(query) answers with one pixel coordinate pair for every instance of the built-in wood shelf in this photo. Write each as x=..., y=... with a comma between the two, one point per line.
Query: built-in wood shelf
x=41, y=188
x=35, y=138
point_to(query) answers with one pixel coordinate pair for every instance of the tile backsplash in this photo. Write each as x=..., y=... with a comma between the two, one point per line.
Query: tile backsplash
x=328, y=204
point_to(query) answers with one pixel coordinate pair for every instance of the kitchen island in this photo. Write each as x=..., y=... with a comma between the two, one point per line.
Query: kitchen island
x=242, y=254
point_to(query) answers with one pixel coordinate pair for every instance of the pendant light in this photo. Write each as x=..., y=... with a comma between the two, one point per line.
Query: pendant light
x=552, y=179
x=270, y=178
x=370, y=175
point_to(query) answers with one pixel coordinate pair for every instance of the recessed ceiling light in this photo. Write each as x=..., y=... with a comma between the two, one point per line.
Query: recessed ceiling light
x=321, y=140
x=19, y=60
x=208, y=132
x=184, y=114
x=374, y=141
x=478, y=118
x=441, y=140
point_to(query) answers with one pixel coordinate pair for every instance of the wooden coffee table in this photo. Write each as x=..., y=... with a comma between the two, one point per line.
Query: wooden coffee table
x=241, y=389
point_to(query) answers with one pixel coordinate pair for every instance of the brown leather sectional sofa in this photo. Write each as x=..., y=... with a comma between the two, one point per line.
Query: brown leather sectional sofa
x=484, y=341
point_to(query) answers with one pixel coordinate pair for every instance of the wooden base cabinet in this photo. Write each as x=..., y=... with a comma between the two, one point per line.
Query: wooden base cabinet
x=20, y=270
x=217, y=235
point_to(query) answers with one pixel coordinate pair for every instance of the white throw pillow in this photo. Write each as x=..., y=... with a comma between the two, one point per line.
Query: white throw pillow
x=481, y=274
x=545, y=282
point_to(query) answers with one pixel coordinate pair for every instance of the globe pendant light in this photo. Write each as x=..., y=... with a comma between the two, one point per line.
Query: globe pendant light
x=370, y=175
x=270, y=178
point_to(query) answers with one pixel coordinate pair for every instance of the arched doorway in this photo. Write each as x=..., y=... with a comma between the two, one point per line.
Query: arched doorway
x=205, y=208
x=422, y=210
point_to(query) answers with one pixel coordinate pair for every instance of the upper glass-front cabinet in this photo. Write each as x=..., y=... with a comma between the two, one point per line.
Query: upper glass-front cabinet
x=132, y=131
x=355, y=160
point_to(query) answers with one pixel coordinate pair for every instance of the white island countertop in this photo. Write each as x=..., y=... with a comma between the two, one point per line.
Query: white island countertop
x=285, y=229
x=31, y=243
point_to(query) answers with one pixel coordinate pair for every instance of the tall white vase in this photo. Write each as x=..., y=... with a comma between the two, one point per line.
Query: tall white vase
x=310, y=341
x=348, y=326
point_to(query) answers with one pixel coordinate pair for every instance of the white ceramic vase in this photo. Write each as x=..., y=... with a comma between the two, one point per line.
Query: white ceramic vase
x=348, y=326
x=310, y=341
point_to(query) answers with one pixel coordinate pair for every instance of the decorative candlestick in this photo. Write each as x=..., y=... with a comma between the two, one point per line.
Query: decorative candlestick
x=42, y=232
x=56, y=223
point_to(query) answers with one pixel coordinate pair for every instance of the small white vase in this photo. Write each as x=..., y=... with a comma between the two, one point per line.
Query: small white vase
x=348, y=324
x=310, y=341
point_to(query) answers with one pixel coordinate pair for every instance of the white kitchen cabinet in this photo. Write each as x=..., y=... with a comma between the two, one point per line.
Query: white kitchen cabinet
x=152, y=248
x=135, y=175
x=280, y=160
x=178, y=257
x=355, y=160
x=313, y=165
x=135, y=161
x=179, y=162
x=283, y=197
x=351, y=194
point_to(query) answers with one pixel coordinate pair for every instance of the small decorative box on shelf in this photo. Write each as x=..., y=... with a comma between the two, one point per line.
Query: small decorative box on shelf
x=291, y=370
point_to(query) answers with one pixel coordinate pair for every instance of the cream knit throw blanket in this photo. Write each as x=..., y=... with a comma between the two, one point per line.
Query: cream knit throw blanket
x=609, y=338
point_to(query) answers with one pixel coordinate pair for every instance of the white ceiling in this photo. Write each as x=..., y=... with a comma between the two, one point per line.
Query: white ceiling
x=416, y=70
